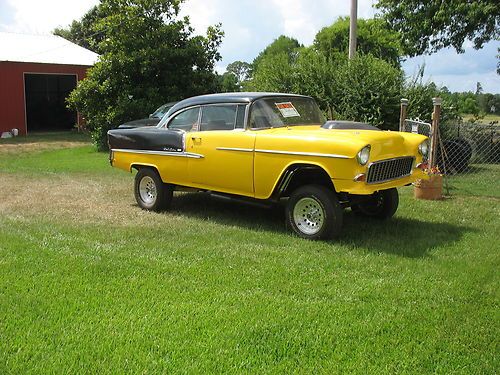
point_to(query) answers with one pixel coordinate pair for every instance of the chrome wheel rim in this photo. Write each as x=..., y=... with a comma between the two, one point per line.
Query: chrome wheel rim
x=308, y=215
x=147, y=190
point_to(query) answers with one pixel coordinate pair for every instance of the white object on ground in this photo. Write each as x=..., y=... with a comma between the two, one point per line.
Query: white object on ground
x=6, y=135
x=15, y=132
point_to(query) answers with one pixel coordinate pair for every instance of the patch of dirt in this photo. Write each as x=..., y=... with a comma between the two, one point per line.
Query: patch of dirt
x=17, y=148
x=77, y=199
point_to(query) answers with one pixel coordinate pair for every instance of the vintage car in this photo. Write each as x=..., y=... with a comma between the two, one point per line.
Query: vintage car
x=267, y=148
x=153, y=119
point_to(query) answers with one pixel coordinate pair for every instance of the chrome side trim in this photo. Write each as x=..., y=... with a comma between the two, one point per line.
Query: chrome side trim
x=286, y=180
x=234, y=149
x=161, y=153
x=302, y=154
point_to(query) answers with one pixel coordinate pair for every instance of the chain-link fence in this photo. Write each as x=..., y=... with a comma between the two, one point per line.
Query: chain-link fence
x=465, y=145
x=468, y=154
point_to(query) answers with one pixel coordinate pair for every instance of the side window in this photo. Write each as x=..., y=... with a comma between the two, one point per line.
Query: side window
x=186, y=120
x=259, y=117
x=218, y=117
x=240, y=117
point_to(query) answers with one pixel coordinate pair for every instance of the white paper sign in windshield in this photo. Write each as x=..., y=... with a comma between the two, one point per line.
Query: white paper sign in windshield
x=287, y=109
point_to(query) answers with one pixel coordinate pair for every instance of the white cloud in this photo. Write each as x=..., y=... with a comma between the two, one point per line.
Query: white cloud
x=302, y=19
x=296, y=20
x=201, y=13
x=250, y=25
x=41, y=17
x=467, y=82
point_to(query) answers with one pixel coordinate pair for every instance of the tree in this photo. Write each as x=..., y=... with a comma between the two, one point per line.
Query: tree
x=228, y=83
x=282, y=44
x=275, y=72
x=479, y=88
x=241, y=70
x=470, y=106
x=429, y=25
x=83, y=32
x=373, y=38
x=149, y=57
x=236, y=75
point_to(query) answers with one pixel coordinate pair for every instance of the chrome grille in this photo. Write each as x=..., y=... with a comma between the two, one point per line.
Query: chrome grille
x=390, y=169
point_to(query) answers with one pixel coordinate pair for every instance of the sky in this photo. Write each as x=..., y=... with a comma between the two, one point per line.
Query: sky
x=251, y=25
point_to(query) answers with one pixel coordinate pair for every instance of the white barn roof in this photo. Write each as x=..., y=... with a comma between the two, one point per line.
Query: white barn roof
x=46, y=49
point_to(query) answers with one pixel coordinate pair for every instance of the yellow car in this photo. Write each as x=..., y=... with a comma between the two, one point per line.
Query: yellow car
x=270, y=147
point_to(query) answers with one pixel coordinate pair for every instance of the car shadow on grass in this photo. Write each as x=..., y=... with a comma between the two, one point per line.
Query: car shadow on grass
x=399, y=236
x=206, y=207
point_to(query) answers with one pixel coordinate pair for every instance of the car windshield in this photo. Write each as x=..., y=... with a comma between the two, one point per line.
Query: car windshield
x=160, y=112
x=285, y=111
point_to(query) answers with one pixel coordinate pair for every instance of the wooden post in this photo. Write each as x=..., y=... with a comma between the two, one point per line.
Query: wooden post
x=402, y=114
x=434, y=131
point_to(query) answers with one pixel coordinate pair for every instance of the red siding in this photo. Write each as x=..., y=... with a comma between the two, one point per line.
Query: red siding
x=12, y=103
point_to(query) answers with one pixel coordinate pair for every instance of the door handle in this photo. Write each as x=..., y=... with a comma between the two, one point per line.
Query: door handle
x=196, y=140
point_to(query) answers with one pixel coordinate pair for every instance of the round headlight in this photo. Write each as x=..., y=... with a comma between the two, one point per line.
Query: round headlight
x=363, y=155
x=423, y=148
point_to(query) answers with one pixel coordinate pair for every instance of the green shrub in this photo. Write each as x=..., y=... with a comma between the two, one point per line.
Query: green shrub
x=149, y=57
x=368, y=89
x=363, y=89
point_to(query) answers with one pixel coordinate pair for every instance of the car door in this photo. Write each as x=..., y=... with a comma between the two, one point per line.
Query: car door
x=227, y=150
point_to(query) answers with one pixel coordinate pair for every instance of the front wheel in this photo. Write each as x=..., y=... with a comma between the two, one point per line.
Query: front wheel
x=150, y=192
x=314, y=213
x=381, y=205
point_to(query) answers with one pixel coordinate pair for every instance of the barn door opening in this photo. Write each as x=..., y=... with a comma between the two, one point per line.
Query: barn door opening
x=46, y=101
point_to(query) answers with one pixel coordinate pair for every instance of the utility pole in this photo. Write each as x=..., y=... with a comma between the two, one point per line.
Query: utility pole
x=353, y=28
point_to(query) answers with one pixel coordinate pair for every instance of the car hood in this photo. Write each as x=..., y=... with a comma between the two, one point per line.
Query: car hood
x=346, y=141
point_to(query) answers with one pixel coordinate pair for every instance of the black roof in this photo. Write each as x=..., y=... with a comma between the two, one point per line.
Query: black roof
x=228, y=97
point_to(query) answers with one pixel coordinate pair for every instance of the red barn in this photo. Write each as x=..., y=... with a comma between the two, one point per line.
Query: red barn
x=36, y=75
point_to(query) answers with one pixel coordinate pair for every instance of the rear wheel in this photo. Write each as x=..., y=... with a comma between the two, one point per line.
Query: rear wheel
x=381, y=205
x=313, y=212
x=150, y=192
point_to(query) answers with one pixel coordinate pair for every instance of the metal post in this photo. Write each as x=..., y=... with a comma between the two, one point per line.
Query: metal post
x=434, y=131
x=353, y=28
x=402, y=114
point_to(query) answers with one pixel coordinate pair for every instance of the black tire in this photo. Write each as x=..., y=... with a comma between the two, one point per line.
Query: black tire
x=150, y=192
x=381, y=205
x=313, y=212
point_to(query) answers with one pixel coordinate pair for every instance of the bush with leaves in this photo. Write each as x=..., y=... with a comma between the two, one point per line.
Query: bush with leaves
x=363, y=89
x=368, y=89
x=374, y=37
x=281, y=45
x=274, y=73
x=149, y=57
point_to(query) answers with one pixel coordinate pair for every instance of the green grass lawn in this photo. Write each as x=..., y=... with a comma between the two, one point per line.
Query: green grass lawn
x=486, y=119
x=479, y=179
x=48, y=137
x=89, y=283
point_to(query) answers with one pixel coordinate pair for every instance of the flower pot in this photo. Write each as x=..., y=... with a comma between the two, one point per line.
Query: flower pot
x=431, y=189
